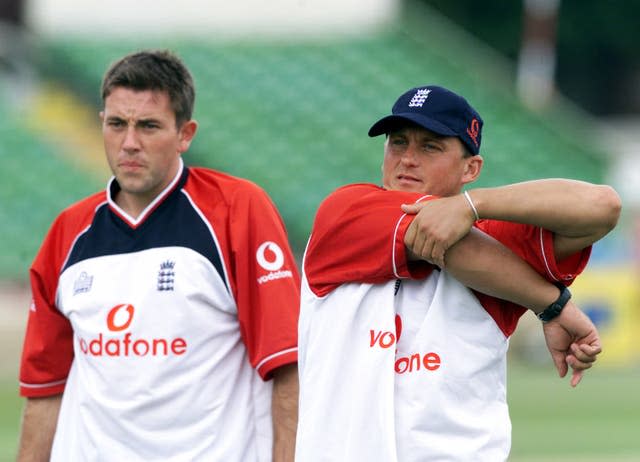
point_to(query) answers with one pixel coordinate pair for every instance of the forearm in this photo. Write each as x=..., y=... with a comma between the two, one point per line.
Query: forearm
x=284, y=410
x=567, y=207
x=483, y=264
x=39, y=421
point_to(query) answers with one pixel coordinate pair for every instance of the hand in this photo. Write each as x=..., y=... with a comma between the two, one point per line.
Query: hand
x=573, y=341
x=438, y=224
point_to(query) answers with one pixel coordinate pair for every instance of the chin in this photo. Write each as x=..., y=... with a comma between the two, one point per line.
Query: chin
x=417, y=188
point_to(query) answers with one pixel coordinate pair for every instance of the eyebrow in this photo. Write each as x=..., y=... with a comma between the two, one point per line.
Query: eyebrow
x=145, y=120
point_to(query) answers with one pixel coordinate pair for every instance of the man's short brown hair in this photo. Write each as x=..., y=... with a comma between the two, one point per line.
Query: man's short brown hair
x=157, y=71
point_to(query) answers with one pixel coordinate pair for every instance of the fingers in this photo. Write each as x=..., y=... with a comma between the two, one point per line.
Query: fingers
x=412, y=209
x=437, y=255
x=416, y=241
x=576, y=377
x=585, y=353
x=579, y=365
x=428, y=249
x=410, y=236
x=581, y=358
x=560, y=362
x=588, y=349
x=436, y=226
x=424, y=246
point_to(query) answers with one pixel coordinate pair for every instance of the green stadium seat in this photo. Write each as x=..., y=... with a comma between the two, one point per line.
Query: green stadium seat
x=294, y=117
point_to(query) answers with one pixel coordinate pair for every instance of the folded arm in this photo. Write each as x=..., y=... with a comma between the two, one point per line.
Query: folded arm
x=484, y=264
x=577, y=212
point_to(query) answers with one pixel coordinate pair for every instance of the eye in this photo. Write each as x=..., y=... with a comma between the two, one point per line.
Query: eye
x=115, y=123
x=149, y=125
x=430, y=146
x=398, y=141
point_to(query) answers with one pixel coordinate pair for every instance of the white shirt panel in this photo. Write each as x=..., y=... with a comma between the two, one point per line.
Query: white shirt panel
x=340, y=374
x=130, y=359
x=440, y=396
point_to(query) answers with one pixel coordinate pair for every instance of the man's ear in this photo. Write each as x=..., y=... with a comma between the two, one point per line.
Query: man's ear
x=472, y=169
x=187, y=132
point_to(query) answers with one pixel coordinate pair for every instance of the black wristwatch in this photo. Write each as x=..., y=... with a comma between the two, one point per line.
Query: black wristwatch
x=556, y=307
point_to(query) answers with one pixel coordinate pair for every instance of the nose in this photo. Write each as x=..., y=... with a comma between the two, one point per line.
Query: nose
x=409, y=156
x=131, y=143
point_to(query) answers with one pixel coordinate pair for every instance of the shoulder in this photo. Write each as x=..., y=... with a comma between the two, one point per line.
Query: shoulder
x=213, y=181
x=345, y=196
x=81, y=213
x=367, y=195
x=67, y=226
x=220, y=196
x=354, y=190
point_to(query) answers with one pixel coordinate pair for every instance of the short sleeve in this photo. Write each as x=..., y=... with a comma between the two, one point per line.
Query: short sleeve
x=358, y=236
x=535, y=245
x=267, y=281
x=48, y=344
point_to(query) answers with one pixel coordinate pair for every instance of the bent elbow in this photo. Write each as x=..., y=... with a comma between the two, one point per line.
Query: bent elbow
x=610, y=205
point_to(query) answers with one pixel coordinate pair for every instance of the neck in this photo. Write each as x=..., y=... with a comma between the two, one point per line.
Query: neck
x=132, y=204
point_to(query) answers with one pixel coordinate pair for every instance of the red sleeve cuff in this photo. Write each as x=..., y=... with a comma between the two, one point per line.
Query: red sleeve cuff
x=402, y=267
x=41, y=391
x=567, y=269
x=276, y=360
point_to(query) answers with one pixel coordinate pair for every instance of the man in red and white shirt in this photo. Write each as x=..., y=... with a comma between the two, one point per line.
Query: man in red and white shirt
x=399, y=359
x=163, y=305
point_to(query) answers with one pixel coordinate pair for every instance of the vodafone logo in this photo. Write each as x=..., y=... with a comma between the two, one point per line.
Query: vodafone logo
x=271, y=258
x=118, y=320
x=120, y=317
x=428, y=362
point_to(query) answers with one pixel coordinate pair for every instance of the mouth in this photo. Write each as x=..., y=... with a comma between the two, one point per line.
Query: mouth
x=404, y=178
x=130, y=165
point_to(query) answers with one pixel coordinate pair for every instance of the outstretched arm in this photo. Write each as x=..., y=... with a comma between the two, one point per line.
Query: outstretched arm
x=578, y=213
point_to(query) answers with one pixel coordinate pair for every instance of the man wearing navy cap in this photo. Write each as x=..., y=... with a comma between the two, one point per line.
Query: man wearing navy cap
x=411, y=291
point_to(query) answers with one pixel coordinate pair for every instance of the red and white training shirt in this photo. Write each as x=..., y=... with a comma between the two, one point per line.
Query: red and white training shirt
x=399, y=361
x=162, y=330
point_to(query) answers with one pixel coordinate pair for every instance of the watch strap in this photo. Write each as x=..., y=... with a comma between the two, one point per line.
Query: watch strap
x=553, y=310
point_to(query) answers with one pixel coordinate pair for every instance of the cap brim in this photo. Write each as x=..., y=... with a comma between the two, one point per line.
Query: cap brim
x=385, y=124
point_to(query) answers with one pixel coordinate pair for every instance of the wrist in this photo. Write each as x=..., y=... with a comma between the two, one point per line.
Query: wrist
x=472, y=205
x=555, y=308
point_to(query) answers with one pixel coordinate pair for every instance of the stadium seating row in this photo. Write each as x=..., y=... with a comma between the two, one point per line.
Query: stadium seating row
x=294, y=117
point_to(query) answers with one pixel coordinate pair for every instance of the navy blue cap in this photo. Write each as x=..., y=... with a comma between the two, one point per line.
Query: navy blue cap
x=438, y=110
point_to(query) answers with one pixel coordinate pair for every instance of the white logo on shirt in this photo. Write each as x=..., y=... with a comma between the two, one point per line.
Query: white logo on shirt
x=270, y=256
x=83, y=283
x=419, y=98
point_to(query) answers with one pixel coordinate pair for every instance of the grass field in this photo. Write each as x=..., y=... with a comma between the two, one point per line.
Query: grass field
x=597, y=421
x=11, y=406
